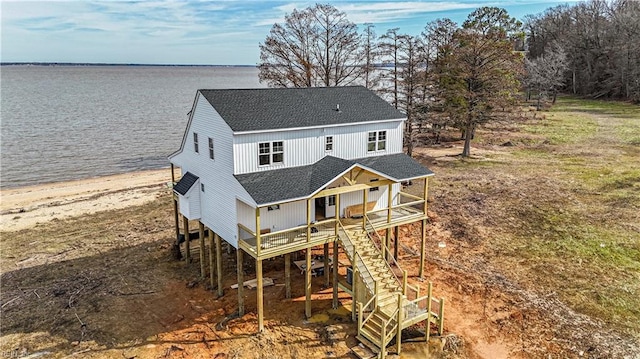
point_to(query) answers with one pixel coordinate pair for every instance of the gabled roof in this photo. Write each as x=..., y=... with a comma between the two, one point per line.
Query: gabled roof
x=281, y=108
x=185, y=183
x=292, y=183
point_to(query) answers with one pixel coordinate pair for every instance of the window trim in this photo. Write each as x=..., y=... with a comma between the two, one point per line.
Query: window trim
x=196, y=147
x=211, y=152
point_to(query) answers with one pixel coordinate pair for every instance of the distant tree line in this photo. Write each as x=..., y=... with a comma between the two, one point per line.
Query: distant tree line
x=462, y=76
x=599, y=41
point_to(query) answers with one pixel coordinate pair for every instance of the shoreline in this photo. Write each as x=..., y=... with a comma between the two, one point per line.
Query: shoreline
x=27, y=206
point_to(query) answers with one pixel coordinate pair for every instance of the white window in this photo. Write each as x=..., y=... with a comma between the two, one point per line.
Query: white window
x=371, y=142
x=264, y=153
x=377, y=141
x=331, y=200
x=278, y=152
x=195, y=142
x=382, y=140
x=210, y=147
x=328, y=143
x=202, y=187
x=270, y=153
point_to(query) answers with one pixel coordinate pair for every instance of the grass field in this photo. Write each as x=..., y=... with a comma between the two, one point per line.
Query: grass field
x=561, y=213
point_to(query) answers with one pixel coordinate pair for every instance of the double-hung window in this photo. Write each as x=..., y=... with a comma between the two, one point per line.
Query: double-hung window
x=328, y=143
x=377, y=141
x=270, y=153
x=210, y=147
x=195, y=142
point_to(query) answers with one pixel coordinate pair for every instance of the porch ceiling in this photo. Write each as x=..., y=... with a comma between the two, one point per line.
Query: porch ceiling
x=294, y=183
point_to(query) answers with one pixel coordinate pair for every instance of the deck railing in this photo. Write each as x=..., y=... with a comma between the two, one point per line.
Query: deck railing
x=286, y=237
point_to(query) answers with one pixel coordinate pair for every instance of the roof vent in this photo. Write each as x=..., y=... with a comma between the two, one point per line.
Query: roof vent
x=338, y=107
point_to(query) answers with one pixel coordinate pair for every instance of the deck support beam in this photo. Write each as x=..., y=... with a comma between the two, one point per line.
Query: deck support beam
x=212, y=259
x=387, y=237
x=335, y=254
x=354, y=288
x=175, y=206
x=396, y=244
x=424, y=227
x=185, y=224
x=219, y=263
x=240, y=282
x=307, y=272
x=422, y=247
x=326, y=265
x=335, y=275
x=202, y=248
x=307, y=284
x=364, y=208
x=260, y=295
x=287, y=275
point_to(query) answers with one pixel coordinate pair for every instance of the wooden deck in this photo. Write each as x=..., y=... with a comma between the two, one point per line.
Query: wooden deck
x=294, y=239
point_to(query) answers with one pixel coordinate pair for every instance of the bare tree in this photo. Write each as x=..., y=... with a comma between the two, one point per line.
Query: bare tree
x=389, y=48
x=370, y=55
x=315, y=46
x=545, y=73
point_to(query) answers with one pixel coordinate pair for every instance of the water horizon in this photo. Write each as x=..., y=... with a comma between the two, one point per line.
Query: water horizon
x=61, y=123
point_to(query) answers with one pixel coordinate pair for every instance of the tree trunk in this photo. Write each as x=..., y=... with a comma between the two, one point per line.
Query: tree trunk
x=468, y=133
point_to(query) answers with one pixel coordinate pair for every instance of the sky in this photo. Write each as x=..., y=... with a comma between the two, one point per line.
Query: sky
x=195, y=32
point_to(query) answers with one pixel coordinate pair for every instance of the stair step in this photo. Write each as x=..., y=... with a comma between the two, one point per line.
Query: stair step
x=368, y=344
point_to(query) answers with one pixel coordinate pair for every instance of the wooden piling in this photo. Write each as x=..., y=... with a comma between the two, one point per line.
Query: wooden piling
x=202, y=248
x=219, y=263
x=211, y=259
x=240, y=282
x=185, y=224
x=260, y=295
x=287, y=275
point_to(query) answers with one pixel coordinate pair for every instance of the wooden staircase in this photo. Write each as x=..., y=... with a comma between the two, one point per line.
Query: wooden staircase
x=384, y=309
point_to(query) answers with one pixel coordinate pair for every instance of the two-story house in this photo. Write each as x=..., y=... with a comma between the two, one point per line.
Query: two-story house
x=275, y=171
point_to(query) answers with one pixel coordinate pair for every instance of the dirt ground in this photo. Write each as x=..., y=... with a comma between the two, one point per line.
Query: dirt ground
x=105, y=285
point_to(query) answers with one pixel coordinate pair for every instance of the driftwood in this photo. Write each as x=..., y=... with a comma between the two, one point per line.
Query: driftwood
x=253, y=283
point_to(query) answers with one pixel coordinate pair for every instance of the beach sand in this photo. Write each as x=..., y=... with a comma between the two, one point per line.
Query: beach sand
x=24, y=207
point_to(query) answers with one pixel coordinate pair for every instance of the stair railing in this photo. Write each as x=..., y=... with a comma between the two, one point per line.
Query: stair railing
x=383, y=248
x=358, y=262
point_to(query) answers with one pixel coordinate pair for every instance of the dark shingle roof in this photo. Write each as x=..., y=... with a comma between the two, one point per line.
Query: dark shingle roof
x=185, y=183
x=280, y=108
x=300, y=182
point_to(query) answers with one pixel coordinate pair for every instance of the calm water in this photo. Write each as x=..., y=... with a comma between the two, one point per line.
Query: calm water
x=69, y=122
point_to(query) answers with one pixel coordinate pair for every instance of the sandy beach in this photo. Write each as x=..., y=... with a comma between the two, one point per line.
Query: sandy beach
x=24, y=207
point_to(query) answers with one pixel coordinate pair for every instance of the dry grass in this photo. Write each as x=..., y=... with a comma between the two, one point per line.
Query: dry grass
x=559, y=211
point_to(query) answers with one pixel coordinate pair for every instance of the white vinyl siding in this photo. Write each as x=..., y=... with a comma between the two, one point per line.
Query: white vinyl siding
x=189, y=203
x=304, y=147
x=289, y=215
x=218, y=202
